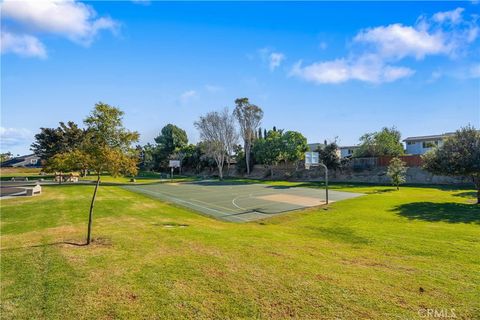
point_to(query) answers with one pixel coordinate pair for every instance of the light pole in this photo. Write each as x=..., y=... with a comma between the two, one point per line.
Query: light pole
x=326, y=181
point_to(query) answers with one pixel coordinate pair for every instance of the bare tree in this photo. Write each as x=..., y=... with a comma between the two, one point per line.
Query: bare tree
x=217, y=130
x=249, y=117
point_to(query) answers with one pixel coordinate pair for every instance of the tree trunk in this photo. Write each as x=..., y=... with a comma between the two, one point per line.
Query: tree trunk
x=227, y=160
x=476, y=181
x=220, y=172
x=90, y=215
x=247, y=157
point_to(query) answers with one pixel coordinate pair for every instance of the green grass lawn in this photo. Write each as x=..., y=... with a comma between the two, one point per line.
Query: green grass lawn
x=382, y=256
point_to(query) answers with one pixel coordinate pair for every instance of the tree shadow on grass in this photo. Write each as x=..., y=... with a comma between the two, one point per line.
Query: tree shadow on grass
x=69, y=243
x=445, y=212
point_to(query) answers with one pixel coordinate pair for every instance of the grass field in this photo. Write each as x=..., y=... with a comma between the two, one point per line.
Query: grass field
x=385, y=255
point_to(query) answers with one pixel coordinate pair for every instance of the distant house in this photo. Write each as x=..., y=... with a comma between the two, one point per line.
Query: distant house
x=347, y=151
x=342, y=152
x=422, y=144
x=313, y=147
x=29, y=160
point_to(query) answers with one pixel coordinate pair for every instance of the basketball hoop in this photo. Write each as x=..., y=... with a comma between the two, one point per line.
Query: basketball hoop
x=173, y=164
x=311, y=159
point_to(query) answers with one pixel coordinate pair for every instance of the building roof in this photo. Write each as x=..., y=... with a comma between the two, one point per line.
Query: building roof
x=431, y=137
x=15, y=160
x=348, y=147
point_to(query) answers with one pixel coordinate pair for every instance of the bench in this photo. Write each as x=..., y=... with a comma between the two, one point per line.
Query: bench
x=19, y=179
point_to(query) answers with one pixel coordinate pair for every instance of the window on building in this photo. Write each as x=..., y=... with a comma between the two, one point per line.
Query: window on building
x=429, y=144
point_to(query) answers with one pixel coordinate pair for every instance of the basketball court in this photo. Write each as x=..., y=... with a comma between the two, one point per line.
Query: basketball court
x=239, y=202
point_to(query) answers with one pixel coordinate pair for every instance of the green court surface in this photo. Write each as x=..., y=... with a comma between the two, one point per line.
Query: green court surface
x=236, y=202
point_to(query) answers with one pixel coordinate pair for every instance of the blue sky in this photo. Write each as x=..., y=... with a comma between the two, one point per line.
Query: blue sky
x=325, y=69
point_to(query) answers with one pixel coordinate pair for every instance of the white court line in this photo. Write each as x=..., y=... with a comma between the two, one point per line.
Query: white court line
x=168, y=196
x=213, y=204
x=233, y=201
x=181, y=201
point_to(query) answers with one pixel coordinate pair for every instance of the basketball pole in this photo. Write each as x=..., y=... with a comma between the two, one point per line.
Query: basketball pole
x=326, y=181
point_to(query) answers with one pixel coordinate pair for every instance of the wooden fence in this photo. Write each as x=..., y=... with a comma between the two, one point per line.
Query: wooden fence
x=411, y=161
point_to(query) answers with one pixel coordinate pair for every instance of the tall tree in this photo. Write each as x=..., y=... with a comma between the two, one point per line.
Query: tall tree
x=249, y=117
x=269, y=150
x=217, y=132
x=170, y=140
x=396, y=172
x=385, y=142
x=51, y=141
x=328, y=155
x=459, y=155
x=107, y=148
x=294, y=146
x=146, y=156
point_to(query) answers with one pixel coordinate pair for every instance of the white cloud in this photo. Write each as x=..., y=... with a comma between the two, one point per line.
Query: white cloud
x=275, y=59
x=11, y=137
x=366, y=68
x=397, y=41
x=270, y=57
x=335, y=71
x=188, y=96
x=454, y=16
x=23, y=45
x=446, y=33
x=74, y=20
x=375, y=50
